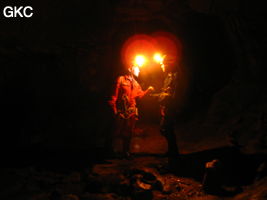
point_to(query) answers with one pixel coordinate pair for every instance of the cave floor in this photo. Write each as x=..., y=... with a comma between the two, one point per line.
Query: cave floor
x=142, y=177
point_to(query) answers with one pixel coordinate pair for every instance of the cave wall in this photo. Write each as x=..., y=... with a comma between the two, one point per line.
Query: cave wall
x=59, y=66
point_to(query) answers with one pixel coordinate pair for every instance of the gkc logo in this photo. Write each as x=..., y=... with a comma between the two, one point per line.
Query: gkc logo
x=21, y=11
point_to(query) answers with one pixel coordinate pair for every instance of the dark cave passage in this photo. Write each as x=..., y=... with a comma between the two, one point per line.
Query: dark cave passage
x=56, y=77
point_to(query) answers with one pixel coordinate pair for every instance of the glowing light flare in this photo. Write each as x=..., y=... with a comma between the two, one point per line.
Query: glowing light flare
x=158, y=58
x=151, y=47
x=162, y=67
x=169, y=44
x=139, y=60
x=139, y=44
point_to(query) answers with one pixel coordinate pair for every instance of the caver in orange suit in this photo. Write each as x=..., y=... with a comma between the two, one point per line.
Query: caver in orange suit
x=123, y=103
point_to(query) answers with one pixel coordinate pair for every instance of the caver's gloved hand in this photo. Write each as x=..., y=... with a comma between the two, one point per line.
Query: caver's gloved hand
x=151, y=88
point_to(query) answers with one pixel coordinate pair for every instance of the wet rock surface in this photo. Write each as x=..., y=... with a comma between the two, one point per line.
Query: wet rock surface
x=145, y=177
x=117, y=179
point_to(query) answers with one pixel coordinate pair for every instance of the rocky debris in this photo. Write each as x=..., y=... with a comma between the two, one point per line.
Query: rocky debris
x=42, y=196
x=142, y=181
x=70, y=197
x=257, y=191
x=139, y=178
x=119, y=179
x=106, y=196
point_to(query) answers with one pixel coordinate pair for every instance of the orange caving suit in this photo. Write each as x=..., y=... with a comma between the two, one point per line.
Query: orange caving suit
x=123, y=103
